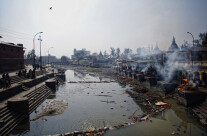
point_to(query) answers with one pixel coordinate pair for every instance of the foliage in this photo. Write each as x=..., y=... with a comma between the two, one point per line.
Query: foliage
x=118, y=52
x=112, y=51
x=64, y=59
x=203, y=38
x=127, y=51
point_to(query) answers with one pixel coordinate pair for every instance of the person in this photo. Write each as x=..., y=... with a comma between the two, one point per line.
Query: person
x=8, y=80
x=33, y=74
x=4, y=75
x=3, y=80
x=29, y=74
x=20, y=73
x=24, y=72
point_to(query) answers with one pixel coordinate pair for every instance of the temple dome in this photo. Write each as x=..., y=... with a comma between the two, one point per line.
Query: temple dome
x=173, y=47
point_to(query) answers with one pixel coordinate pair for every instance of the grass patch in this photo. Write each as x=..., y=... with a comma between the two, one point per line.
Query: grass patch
x=92, y=69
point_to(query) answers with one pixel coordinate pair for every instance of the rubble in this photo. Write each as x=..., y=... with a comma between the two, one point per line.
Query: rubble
x=150, y=102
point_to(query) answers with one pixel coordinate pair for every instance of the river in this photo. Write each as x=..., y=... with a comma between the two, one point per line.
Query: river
x=95, y=105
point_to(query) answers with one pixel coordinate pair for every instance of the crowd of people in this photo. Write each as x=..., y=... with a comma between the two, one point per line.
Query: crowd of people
x=30, y=74
x=5, y=81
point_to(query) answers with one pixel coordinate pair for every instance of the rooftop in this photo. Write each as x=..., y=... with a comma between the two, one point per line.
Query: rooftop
x=11, y=44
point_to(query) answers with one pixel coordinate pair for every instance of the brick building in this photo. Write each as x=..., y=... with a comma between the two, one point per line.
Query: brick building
x=11, y=56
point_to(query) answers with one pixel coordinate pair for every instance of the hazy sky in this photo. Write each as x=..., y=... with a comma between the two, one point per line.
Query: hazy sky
x=100, y=24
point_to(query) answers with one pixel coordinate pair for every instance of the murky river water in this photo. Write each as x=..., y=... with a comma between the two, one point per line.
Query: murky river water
x=95, y=105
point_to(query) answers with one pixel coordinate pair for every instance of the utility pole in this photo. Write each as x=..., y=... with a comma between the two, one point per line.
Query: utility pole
x=34, y=48
x=40, y=50
x=192, y=53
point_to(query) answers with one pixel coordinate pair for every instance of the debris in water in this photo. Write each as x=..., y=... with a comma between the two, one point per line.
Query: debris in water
x=55, y=107
x=104, y=95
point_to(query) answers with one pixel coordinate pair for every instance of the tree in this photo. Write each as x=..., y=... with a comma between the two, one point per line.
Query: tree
x=64, y=59
x=29, y=57
x=112, y=51
x=127, y=51
x=105, y=54
x=203, y=38
x=118, y=52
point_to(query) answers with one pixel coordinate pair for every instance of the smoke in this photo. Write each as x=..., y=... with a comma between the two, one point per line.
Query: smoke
x=133, y=68
x=172, y=68
x=145, y=68
x=129, y=56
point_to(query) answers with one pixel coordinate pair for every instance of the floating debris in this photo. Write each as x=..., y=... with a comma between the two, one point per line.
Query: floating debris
x=98, y=132
x=109, y=101
x=55, y=107
x=103, y=95
x=89, y=81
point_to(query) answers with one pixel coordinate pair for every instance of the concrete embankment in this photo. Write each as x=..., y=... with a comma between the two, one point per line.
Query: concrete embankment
x=21, y=99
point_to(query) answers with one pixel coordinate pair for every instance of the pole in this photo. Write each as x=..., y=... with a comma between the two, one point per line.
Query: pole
x=48, y=58
x=192, y=54
x=34, y=48
x=40, y=51
x=45, y=58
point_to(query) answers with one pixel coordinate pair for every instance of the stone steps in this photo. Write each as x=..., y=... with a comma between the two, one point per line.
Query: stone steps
x=4, y=113
x=30, y=95
x=12, y=124
x=2, y=110
x=200, y=111
x=17, y=79
x=24, y=88
x=10, y=119
x=35, y=105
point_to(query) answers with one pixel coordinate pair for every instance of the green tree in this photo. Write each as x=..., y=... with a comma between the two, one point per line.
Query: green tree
x=118, y=52
x=29, y=57
x=64, y=59
x=203, y=38
x=127, y=51
x=112, y=51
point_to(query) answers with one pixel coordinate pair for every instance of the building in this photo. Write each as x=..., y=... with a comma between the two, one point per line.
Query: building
x=11, y=56
x=173, y=47
x=80, y=54
x=51, y=59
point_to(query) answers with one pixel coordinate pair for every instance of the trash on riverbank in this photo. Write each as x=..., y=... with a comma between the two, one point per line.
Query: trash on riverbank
x=160, y=103
x=150, y=102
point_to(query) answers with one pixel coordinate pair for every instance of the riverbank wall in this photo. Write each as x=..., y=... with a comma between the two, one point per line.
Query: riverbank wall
x=21, y=99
